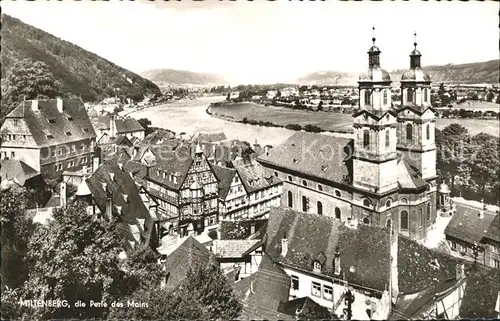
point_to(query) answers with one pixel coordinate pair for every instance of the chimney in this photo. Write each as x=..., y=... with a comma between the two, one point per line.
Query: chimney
x=459, y=271
x=59, y=104
x=62, y=193
x=284, y=245
x=336, y=262
x=109, y=206
x=34, y=105
x=394, y=277
x=95, y=164
x=112, y=126
x=252, y=228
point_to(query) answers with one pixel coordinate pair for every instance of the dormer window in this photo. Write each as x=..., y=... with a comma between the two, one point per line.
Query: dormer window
x=388, y=203
x=50, y=137
x=70, y=118
x=366, y=202
x=316, y=266
x=289, y=178
x=51, y=121
x=68, y=133
x=85, y=130
x=304, y=182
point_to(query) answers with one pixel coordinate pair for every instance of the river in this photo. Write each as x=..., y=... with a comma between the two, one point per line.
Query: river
x=190, y=116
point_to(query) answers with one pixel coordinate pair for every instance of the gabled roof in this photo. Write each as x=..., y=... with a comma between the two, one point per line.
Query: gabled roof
x=467, y=225
x=189, y=255
x=409, y=178
x=364, y=251
x=419, y=110
x=304, y=305
x=127, y=203
x=253, y=175
x=262, y=292
x=234, y=248
x=128, y=125
x=225, y=176
x=12, y=168
x=73, y=124
x=376, y=114
x=160, y=136
x=138, y=170
x=176, y=163
x=210, y=137
x=313, y=154
x=494, y=230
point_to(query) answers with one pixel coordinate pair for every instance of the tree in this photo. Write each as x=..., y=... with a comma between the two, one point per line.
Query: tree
x=320, y=106
x=452, y=152
x=27, y=80
x=145, y=123
x=203, y=294
x=316, y=312
x=485, y=162
x=75, y=257
x=15, y=234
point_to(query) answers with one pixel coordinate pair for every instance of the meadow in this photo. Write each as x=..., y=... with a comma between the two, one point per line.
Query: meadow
x=327, y=120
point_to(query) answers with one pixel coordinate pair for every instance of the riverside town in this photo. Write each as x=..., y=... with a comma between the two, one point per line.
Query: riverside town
x=249, y=160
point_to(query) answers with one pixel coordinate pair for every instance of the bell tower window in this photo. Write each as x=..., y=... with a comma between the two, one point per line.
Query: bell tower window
x=366, y=138
x=409, y=95
x=367, y=97
x=409, y=132
x=387, y=138
x=428, y=131
x=386, y=97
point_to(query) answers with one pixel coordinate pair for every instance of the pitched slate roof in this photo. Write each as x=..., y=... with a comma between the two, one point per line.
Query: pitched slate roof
x=467, y=225
x=122, y=125
x=176, y=163
x=73, y=124
x=160, y=136
x=262, y=292
x=210, y=137
x=318, y=155
x=12, y=168
x=225, y=176
x=481, y=294
x=127, y=203
x=364, y=251
x=190, y=254
x=409, y=177
x=234, y=248
x=138, y=170
x=253, y=175
x=494, y=230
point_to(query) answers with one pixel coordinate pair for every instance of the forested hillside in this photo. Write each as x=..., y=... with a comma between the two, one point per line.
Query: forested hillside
x=76, y=71
x=169, y=77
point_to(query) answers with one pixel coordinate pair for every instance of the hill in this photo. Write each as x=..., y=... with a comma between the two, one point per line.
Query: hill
x=172, y=77
x=79, y=71
x=487, y=72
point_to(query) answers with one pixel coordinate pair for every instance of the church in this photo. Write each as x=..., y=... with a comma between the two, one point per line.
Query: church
x=386, y=174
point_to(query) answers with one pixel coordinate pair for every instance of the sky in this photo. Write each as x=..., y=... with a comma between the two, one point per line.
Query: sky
x=268, y=41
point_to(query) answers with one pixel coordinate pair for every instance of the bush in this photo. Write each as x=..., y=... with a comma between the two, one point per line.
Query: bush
x=212, y=234
x=312, y=128
x=293, y=127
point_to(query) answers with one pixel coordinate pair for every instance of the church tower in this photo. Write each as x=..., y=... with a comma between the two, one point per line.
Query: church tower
x=375, y=125
x=416, y=119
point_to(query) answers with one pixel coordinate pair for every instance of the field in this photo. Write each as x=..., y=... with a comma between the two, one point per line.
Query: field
x=330, y=121
x=477, y=105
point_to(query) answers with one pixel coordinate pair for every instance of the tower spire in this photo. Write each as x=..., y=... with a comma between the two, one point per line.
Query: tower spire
x=415, y=40
x=373, y=35
x=415, y=54
x=373, y=53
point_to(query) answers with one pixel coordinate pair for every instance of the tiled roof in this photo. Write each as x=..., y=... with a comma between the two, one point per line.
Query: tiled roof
x=318, y=155
x=467, y=225
x=233, y=248
x=176, y=163
x=408, y=177
x=128, y=125
x=73, y=124
x=253, y=176
x=304, y=305
x=12, y=168
x=494, y=230
x=210, y=137
x=364, y=251
x=262, y=292
x=127, y=202
x=481, y=294
x=138, y=170
x=189, y=255
x=160, y=136
x=225, y=176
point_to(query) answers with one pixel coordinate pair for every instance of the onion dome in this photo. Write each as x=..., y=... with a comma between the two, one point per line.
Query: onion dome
x=444, y=189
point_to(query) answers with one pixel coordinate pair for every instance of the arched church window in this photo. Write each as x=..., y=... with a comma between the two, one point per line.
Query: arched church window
x=409, y=95
x=319, y=207
x=290, y=199
x=337, y=193
x=366, y=138
x=366, y=202
x=409, y=132
x=404, y=201
x=305, y=204
x=366, y=221
x=304, y=182
x=337, y=213
x=387, y=138
x=404, y=220
x=428, y=131
x=388, y=223
x=388, y=203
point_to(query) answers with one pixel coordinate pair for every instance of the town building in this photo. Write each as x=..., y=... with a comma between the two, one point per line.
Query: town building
x=385, y=175
x=50, y=136
x=244, y=256
x=116, y=197
x=112, y=126
x=186, y=188
x=18, y=175
x=475, y=234
x=246, y=191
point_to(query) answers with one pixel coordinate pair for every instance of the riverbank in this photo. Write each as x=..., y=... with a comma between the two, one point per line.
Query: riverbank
x=296, y=123
x=339, y=123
